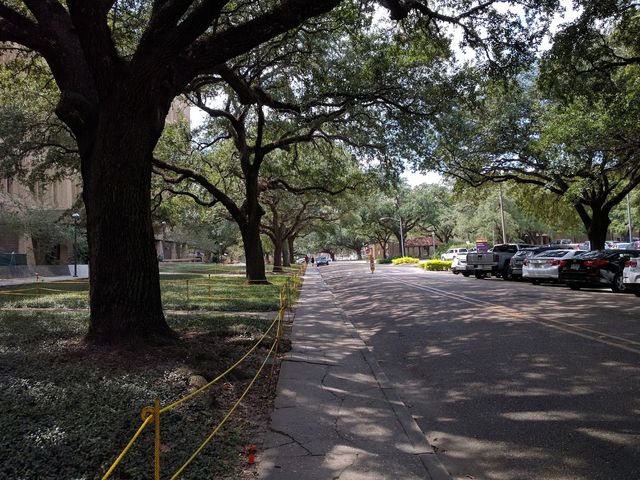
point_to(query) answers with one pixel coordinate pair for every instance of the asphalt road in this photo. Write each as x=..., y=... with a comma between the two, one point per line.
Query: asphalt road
x=508, y=380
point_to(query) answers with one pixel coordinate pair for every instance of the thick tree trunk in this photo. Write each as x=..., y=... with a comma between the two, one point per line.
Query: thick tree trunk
x=292, y=258
x=598, y=228
x=277, y=255
x=250, y=230
x=383, y=246
x=125, y=287
x=253, y=253
x=285, y=253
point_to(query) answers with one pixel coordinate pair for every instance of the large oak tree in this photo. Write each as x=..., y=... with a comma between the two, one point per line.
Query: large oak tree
x=118, y=66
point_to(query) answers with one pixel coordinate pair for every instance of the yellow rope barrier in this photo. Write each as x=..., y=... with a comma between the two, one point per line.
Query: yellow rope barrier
x=226, y=417
x=153, y=413
x=128, y=447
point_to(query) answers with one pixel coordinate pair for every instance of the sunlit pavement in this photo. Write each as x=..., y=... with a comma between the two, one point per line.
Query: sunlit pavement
x=507, y=380
x=336, y=416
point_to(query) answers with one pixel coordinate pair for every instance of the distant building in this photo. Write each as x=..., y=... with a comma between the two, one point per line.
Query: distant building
x=55, y=201
x=418, y=247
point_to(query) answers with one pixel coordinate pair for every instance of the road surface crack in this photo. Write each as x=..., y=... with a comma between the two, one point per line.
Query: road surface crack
x=310, y=362
x=293, y=441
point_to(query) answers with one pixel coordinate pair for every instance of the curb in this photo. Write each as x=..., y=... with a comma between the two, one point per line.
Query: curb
x=421, y=447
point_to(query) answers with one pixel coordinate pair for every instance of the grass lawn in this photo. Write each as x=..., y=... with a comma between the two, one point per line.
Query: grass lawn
x=179, y=292
x=67, y=410
x=214, y=268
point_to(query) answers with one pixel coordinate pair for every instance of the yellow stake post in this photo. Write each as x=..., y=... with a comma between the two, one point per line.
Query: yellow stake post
x=156, y=421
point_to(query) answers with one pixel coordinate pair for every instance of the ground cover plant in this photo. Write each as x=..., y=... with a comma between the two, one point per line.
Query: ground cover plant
x=67, y=409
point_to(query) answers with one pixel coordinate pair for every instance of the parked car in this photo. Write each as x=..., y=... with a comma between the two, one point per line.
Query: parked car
x=515, y=264
x=631, y=275
x=452, y=253
x=459, y=263
x=494, y=262
x=561, y=241
x=545, y=266
x=322, y=260
x=597, y=269
x=300, y=261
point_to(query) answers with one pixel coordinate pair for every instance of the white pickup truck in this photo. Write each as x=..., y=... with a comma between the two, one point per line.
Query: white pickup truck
x=495, y=261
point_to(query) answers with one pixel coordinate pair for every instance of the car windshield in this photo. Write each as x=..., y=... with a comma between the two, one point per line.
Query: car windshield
x=553, y=253
x=594, y=254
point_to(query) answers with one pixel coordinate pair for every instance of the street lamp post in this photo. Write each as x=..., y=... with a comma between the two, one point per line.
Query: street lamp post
x=433, y=242
x=164, y=230
x=76, y=217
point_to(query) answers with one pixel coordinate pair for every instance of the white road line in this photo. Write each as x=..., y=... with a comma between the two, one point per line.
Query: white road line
x=565, y=327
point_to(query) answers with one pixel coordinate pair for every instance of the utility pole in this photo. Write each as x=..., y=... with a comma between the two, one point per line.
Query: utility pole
x=629, y=219
x=401, y=237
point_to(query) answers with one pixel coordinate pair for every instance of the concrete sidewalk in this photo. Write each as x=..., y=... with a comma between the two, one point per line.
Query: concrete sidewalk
x=336, y=415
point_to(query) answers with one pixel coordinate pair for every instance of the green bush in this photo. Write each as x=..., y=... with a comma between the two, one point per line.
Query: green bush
x=436, y=265
x=404, y=260
x=384, y=261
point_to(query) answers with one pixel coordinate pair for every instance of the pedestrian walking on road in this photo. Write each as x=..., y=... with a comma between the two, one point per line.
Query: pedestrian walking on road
x=313, y=260
x=306, y=259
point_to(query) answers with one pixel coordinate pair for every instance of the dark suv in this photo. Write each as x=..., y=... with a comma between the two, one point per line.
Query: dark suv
x=597, y=269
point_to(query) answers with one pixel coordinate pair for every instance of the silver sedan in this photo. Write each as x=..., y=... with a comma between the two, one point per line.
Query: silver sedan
x=545, y=267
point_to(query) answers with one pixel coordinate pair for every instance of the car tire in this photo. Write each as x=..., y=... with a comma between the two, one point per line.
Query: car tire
x=454, y=272
x=535, y=282
x=573, y=287
x=506, y=274
x=465, y=274
x=480, y=275
x=618, y=286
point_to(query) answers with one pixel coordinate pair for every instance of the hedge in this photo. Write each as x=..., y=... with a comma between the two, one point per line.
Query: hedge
x=384, y=261
x=404, y=260
x=436, y=265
